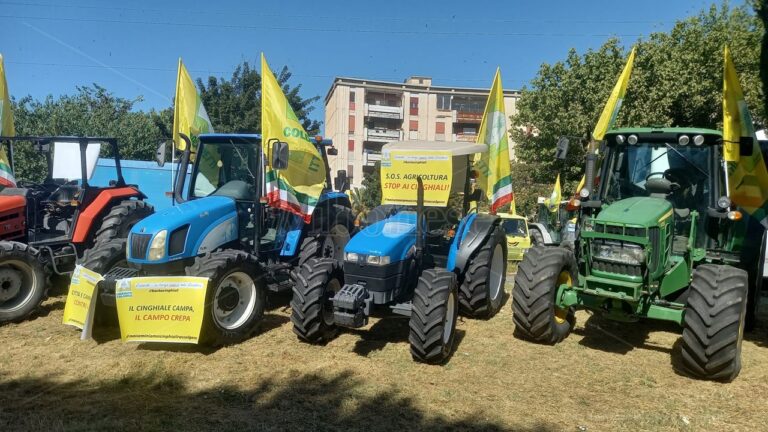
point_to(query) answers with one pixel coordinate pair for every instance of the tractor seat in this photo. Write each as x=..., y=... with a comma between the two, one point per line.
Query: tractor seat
x=65, y=194
x=235, y=189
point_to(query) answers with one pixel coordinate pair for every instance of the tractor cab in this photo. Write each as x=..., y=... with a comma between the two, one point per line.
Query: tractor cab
x=52, y=194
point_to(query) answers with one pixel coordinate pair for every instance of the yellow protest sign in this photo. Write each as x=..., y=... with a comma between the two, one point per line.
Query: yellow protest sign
x=401, y=168
x=80, y=305
x=161, y=309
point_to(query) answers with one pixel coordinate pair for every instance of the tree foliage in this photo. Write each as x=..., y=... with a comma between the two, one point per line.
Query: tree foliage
x=676, y=81
x=761, y=8
x=234, y=105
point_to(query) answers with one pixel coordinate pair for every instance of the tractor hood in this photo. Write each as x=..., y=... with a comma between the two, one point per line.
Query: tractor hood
x=642, y=211
x=203, y=224
x=392, y=237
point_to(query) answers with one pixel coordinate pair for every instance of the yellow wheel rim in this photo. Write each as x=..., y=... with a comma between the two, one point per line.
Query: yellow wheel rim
x=561, y=315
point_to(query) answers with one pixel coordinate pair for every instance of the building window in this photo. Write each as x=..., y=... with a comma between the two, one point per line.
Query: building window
x=414, y=106
x=440, y=127
x=351, y=100
x=444, y=102
x=351, y=124
x=351, y=145
x=414, y=126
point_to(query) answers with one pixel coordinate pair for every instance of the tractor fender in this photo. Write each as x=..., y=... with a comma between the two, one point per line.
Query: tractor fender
x=473, y=230
x=97, y=207
x=543, y=230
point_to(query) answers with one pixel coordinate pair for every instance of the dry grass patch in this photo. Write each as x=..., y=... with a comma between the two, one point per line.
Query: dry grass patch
x=605, y=376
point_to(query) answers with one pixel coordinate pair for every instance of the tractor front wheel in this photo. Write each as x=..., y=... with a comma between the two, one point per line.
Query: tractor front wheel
x=235, y=299
x=317, y=281
x=329, y=233
x=537, y=239
x=713, y=325
x=101, y=258
x=433, y=316
x=482, y=290
x=23, y=280
x=534, y=309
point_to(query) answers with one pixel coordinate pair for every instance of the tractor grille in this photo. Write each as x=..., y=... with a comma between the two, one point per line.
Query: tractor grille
x=619, y=268
x=139, y=245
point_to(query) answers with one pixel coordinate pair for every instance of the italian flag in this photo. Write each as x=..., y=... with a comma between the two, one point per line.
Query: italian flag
x=6, y=129
x=493, y=167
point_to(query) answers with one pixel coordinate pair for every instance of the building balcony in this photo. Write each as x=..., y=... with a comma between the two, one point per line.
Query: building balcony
x=468, y=117
x=371, y=157
x=465, y=137
x=382, y=134
x=384, y=111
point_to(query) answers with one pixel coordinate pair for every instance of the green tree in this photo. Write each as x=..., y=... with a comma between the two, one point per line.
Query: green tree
x=761, y=8
x=234, y=105
x=92, y=111
x=677, y=81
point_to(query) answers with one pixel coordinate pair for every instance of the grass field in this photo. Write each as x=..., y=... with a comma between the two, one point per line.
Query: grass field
x=604, y=377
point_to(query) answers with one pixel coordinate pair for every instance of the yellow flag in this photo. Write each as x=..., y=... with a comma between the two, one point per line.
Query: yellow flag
x=493, y=167
x=6, y=129
x=612, y=106
x=189, y=115
x=553, y=202
x=297, y=188
x=747, y=174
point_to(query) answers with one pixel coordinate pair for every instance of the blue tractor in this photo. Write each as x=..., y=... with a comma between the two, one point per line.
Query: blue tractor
x=223, y=231
x=427, y=264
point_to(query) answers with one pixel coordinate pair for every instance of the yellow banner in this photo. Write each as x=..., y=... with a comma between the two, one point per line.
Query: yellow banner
x=161, y=309
x=81, y=299
x=6, y=129
x=400, y=169
x=297, y=188
x=553, y=202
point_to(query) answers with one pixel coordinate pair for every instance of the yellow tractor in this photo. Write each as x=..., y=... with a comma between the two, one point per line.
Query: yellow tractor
x=518, y=239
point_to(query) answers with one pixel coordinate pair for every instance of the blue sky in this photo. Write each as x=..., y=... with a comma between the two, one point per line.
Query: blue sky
x=132, y=48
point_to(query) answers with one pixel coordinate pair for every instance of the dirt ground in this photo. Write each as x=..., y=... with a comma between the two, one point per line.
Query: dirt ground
x=604, y=377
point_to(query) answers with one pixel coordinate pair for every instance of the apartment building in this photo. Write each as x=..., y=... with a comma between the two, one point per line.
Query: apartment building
x=362, y=115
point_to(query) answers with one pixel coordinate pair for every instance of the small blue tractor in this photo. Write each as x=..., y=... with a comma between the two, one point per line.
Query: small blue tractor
x=424, y=264
x=223, y=231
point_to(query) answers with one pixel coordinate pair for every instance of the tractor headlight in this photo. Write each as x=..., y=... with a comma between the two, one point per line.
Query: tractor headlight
x=157, y=247
x=377, y=260
x=351, y=257
x=620, y=252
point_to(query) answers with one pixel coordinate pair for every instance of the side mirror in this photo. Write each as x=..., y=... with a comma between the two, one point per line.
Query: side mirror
x=332, y=151
x=279, y=155
x=160, y=153
x=562, y=148
x=341, y=182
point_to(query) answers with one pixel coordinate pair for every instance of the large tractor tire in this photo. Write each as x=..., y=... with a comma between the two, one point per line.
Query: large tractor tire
x=433, y=316
x=101, y=258
x=329, y=232
x=538, y=278
x=482, y=290
x=235, y=299
x=121, y=218
x=713, y=324
x=537, y=239
x=317, y=281
x=23, y=280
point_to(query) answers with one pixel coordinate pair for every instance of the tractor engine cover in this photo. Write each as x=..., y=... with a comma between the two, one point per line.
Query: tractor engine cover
x=191, y=228
x=12, y=216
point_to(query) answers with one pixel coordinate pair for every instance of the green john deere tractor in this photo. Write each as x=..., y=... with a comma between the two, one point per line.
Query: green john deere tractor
x=657, y=238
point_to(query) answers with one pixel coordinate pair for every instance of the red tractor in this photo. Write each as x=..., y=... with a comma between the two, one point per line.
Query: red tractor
x=53, y=215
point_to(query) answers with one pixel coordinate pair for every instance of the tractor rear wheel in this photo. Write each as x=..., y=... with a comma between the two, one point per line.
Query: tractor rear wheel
x=482, y=290
x=235, y=298
x=317, y=281
x=329, y=233
x=538, y=278
x=101, y=258
x=713, y=324
x=121, y=218
x=537, y=239
x=433, y=316
x=23, y=280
